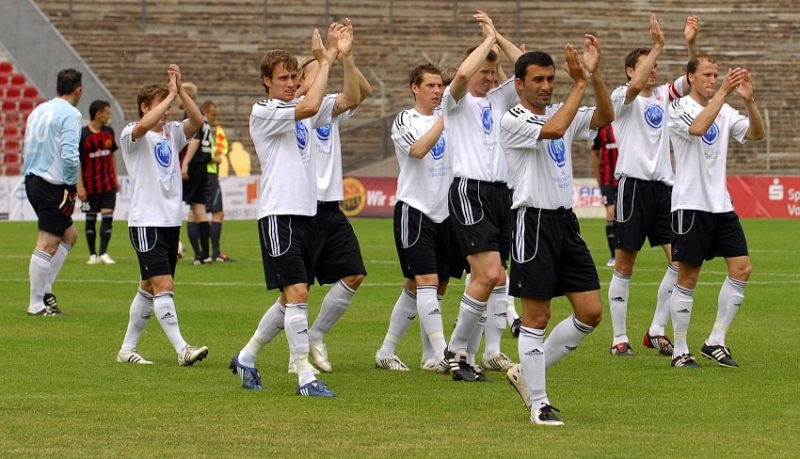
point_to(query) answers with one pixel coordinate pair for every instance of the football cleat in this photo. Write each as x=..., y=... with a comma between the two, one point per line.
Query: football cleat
x=428, y=364
x=315, y=389
x=611, y=262
x=93, y=260
x=132, y=356
x=106, y=259
x=190, y=354
x=545, y=415
x=720, y=354
x=685, y=361
x=251, y=378
x=319, y=352
x=459, y=366
x=391, y=362
x=517, y=381
x=499, y=362
x=50, y=307
x=660, y=342
x=222, y=258
x=480, y=376
x=292, y=369
x=622, y=349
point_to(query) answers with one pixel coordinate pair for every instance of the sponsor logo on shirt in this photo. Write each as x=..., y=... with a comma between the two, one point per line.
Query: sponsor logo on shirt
x=163, y=153
x=557, y=151
x=302, y=135
x=711, y=135
x=486, y=119
x=654, y=116
x=324, y=132
x=438, y=150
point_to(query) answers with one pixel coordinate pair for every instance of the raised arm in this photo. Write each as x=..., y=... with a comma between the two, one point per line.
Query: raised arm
x=690, y=34
x=706, y=117
x=556, y=126
x=350, y=96
x=511, y=51
x=460, y=84
x=756, y=130
x=154, y=114
x=604, y=111
x=311, y=103
x=427, y=141
x=645, y=68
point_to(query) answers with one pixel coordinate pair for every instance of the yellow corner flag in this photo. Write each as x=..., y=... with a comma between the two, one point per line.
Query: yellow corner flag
x=221, y=142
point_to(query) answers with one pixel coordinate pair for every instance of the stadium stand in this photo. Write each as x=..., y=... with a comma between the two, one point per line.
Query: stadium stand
x=18, y=100
x=226, y=40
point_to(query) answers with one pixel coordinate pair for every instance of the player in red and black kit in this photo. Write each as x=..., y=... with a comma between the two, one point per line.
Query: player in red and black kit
x=98, y=182
x=604, y=162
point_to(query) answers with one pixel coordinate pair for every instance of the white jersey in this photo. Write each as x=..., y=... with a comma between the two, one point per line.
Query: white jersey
x=155, y=172
x=700, y=161
x=541, y=170
x=641, y=133
x=326, y=147
x=472, y=134
x=422, y=183
x=288, y=183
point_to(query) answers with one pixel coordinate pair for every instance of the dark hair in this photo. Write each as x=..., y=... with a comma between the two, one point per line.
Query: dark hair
x=633, y=58
x=416, y=75
x=68, y=81
x=97, y=106
x=691, y=67
x=491, y=57
x=148, y=93
x=275, y=57
x=539, y=58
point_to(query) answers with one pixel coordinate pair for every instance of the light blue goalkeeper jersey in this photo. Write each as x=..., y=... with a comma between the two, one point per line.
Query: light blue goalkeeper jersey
x=52, y=134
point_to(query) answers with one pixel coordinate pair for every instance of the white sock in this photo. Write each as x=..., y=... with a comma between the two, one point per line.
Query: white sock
x=164, y=307
x=403, y=314
x=475, y=340
x=731, y=296
x=56, y=263
x=496, y=321
x=39, y=272
x=532, y=362
x=469, y=313
x=296, y=323
x=268, y=328
x=681, y=311
x=564, y=339
x=511, y=311
x=333, y=306
x=139, y=315
x=661, y=317
x=430, y=318
x=428, y=351
x=618, y=292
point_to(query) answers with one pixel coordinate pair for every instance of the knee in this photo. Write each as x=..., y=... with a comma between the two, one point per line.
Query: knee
x=353, y=282
x=742, y=273
x=590, y=315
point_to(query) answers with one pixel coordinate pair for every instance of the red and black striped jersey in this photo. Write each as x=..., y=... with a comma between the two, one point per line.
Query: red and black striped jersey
x=606, y=143
x=97, y=160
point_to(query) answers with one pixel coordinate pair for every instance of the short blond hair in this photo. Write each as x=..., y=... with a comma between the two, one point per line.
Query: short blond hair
x=191, y=91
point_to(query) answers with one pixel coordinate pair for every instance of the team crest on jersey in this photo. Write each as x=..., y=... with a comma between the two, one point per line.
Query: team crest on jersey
x=654, y=116
x=438, y=150
x=108, y=143
x=324, y=132
x=302, y=135
x=163, y=153
x=558, y=151
x=711, y=135
x=486, y=119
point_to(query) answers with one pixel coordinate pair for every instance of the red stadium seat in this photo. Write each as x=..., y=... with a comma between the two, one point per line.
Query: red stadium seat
x=11, y=132
x=13, y=159
x=12, y=147
x=30, y=92
x=25, y=106
x=6, y=67
x=13, y=92
x=18, y=79
x=10, y=106
x=13, y=170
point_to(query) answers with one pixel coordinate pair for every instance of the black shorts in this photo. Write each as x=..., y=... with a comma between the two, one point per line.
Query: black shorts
x=194, y=189
x=609, y=195
x=213, y=194
x=481, y=216
x=287, y=250
x=643, y=211
x=549, y=257
x=423, y=246
x=336, y=252
x=46, y=200
x=96, y=202
x=156, y=248
x=698, y=236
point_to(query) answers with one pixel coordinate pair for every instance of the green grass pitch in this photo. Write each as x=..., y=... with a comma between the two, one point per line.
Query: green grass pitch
x=62, y=393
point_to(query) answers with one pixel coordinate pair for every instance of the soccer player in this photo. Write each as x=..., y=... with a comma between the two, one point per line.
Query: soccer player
x=288, y=199
x=549, y=258
x=150, y=150
x=704, y=224
x=194, y=171
x=51, y=170
x=479, y=199
x=645, y=178
x=604, y=161
x=337, y=255
x=421, y=229
x=213, y=191
x=98, y=183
